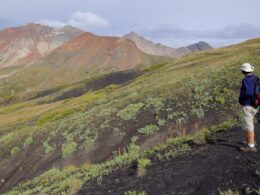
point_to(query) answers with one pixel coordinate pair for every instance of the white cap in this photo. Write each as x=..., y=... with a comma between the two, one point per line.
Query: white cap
x=246, y=67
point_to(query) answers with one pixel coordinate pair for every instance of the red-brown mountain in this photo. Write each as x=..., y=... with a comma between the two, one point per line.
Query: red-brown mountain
x=80, y=58
x=25, y=44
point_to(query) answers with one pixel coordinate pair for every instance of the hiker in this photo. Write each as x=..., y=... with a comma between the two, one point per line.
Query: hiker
x=246, y=99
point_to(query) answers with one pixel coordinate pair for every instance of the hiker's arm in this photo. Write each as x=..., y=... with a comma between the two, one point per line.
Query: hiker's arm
x=242, y=96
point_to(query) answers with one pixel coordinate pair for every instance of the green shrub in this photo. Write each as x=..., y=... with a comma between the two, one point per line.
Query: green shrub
x=142, y=163
x=198, y=113
x=89, y=141
x=68, y=136
x=148, y=130
x=229, y=192
x=161, y=122
x=68, y=149
x=135, y=193
x=47, y=147
x=179, y=117
x=9, y=98
x=28, y=141
x=157, y=103
x=70, y=168
x=130, y=112
x=220, y=100
x=74, y=185
x=173, y=151
x=106, y=112
x=86, y=166
x=55, y=115
x=15, y=151
x=117, y=131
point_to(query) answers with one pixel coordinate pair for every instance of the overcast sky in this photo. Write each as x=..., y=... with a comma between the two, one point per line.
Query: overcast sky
x=172, y=22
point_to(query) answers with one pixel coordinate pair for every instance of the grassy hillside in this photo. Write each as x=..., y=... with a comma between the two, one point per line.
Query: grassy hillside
x=166, y=101
x=83, y=57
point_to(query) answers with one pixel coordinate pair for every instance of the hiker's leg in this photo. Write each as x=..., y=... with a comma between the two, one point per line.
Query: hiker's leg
x=244, y=137
x=251, y=137
x=248, y=123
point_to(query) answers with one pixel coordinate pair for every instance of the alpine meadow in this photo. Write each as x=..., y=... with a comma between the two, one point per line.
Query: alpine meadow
x=85, y=113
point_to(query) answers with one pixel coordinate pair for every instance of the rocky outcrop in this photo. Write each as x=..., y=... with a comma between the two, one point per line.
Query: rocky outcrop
x=199, y=46
x=25, y=44
x=159, y=49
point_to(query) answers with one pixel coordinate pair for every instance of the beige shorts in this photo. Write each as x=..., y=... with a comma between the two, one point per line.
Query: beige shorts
x=248, y=118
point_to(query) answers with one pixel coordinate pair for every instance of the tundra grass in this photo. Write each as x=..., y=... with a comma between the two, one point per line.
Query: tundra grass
x=207, y=79
x=61, y=181
x=176, y=92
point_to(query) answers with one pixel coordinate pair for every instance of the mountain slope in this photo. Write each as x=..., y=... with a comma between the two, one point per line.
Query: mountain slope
x=78, y=59
x=25, y=44
x=205, y=169
x=175, y=105
x=149, y=47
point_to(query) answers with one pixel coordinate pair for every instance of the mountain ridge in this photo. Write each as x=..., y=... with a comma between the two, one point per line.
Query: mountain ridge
x=25, y=44
x=149, y=47
x=80, y=57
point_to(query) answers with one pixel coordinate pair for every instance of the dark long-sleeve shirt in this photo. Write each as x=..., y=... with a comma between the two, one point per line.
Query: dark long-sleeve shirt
x=246, y=97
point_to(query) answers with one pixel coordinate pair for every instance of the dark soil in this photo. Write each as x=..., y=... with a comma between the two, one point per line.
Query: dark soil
x=44, y=93
x=120, y=77
x=29, y=164
x=208, y=169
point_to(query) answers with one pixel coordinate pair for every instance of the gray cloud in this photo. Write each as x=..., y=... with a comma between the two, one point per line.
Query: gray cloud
x=84, y=20
x=189, y=20
x=229, y=32
x=179, y=36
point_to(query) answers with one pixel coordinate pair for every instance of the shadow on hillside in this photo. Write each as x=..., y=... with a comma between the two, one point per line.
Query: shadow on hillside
x=114, y=78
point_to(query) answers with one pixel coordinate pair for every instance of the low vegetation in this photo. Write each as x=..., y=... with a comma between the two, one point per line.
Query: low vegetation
x=148, y=130
x=192, y=90
x=142, y=163
x=135, y=193
x=57, y=181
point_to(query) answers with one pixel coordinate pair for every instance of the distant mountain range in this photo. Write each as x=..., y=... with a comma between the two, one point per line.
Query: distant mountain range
x=149, y=47
x=37, y=57
x=25, y=44
x=81, y=57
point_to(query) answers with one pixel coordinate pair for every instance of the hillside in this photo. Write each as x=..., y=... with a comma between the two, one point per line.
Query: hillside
x=217, y=167
x=25, y=44
x=54, y=143
x=159, y=49
x=80, y=58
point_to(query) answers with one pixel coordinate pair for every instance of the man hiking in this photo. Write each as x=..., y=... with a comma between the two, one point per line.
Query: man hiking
x=246, y=99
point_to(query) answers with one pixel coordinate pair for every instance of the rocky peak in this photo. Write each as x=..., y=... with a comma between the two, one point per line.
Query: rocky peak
x=69, y=28
x=149, y=47
x=132, y=34
x=202, y=45
x=25, y=44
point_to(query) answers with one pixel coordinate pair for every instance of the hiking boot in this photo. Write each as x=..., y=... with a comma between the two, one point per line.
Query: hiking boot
x=248, y=149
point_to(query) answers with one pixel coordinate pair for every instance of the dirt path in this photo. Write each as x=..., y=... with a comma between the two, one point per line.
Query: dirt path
x=213, y=167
